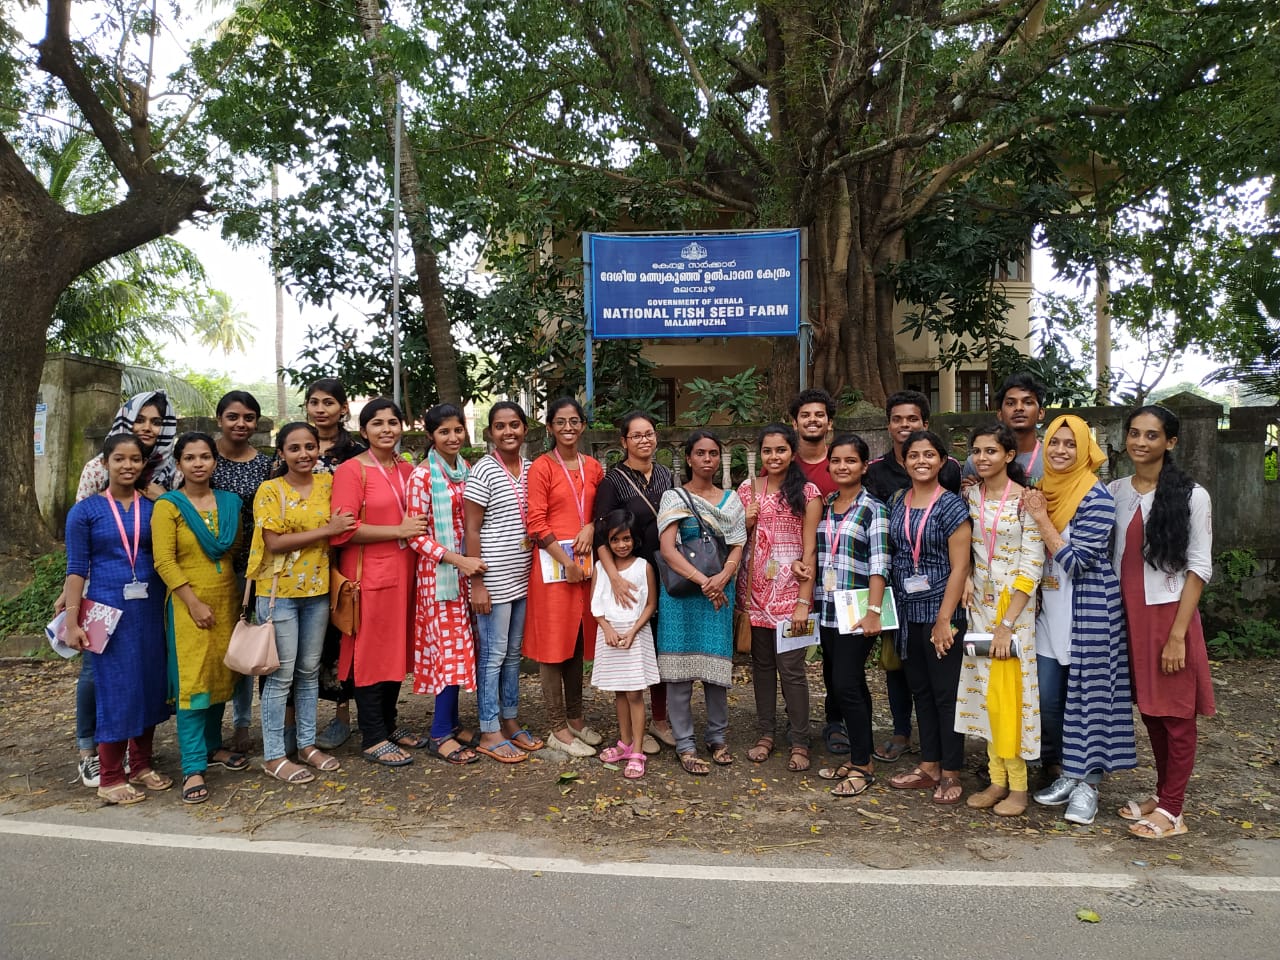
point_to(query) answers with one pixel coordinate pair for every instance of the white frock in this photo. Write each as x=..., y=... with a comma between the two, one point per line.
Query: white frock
x=636, y=667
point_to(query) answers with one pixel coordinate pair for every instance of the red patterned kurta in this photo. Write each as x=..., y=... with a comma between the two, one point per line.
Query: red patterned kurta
x=443, y=641
x=775, y=543
x=557, y=611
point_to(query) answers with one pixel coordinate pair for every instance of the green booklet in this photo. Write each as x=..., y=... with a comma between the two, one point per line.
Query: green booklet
x=851, y=606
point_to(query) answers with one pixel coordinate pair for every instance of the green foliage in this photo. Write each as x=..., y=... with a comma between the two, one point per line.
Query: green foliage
x=29, y=610
x=1240, y=618
x=739, y=397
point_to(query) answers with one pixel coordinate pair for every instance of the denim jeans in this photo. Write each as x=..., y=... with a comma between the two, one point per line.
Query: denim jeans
x=86, y=706
x=1052, y=676
x=500, y=635
x=242, y=703
x=300, y=623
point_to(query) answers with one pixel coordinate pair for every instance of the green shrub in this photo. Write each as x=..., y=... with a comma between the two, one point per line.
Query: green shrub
x=1238, y=626
x=31, y=609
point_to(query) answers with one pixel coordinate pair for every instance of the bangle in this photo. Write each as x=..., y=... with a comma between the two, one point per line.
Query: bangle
x=807, y=603
x=872, y=608
x=734, y=562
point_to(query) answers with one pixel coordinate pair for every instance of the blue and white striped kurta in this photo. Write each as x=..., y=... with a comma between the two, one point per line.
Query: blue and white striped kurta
x=1097, y=724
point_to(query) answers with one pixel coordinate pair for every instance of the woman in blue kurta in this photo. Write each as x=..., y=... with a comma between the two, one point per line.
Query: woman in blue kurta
x=109, y=546
x=1081, y=653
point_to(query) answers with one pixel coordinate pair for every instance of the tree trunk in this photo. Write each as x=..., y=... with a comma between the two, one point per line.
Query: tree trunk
x=282, y=398
x=440, y=344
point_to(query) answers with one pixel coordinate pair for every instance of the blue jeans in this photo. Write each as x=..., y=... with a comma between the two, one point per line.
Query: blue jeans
x=242, y=703
x=86, y=706
x=300, y=623
x=1052, y=676
x=500, y=635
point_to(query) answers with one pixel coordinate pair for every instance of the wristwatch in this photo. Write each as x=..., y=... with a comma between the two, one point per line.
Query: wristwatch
x=872, y=608
x=1006, y=623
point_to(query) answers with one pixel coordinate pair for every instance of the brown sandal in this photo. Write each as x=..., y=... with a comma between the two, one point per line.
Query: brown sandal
x=694, y=764
x=761, y=751
x=313, y=756
x=720, y=754
x=122, y=794
x=798, y=762
x=151, y=779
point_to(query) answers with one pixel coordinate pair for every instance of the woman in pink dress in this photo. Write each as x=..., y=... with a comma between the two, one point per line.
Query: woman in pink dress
x=372, y=487
x=444, y=655
x=1164, y=553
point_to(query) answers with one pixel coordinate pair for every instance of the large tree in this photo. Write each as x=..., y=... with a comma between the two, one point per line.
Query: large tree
x=43, y=245
x=861, y=120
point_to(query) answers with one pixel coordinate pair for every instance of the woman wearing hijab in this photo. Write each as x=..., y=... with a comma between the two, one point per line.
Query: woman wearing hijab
x=151, y=418
x=1086, y=711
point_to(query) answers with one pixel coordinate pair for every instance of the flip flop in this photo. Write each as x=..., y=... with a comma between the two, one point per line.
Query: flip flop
x=890, y=751
x=917, y=779
x=492, y=753
x=945, y=784
x=526, y=741
x=197, y=793
x=233, y=761
x=400, y=735
x=379, y=755
x=835, y=738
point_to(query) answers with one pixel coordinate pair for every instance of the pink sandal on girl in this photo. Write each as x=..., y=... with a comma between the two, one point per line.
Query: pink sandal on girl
x=615, y=754
x=635, y=766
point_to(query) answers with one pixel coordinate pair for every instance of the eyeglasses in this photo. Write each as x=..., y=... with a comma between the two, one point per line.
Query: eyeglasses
x=572, y=422
x=642, y=436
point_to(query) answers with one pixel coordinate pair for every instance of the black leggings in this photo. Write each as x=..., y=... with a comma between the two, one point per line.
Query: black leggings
x=934, y=682
x=376, y=711
x=847, y=688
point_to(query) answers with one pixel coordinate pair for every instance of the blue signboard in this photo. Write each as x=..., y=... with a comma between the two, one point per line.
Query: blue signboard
x=693, y=285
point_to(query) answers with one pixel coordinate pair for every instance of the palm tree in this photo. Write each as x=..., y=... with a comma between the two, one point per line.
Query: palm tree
x=221, y=325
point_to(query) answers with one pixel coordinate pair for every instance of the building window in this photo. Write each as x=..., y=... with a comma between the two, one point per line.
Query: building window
x=1015, y=268
x=922, y=381
x=972, y=391
x=665, y=394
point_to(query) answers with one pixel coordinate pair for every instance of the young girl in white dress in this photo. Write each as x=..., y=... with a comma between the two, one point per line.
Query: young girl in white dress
x=625, y=662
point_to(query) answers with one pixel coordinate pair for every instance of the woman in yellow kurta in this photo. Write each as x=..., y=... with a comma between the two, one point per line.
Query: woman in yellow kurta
x=998, y=698
x=194, y=534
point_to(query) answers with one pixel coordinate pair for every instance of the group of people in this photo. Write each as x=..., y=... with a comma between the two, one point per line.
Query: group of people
x=1031, y=603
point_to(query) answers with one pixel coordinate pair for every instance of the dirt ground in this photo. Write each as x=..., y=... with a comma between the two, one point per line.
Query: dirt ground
x=585, y=810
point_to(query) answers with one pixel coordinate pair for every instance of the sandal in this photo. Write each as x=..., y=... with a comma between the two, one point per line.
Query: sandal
x=917, y=779
x=615, y=754
x=942, y=792
x=231, y=760
x=798, y=762
x=1132, y=810
x=460, y=756
x=1146, y=829
x=838, y=773
x=286, y=771
x=468, y=743
x=890, y=751
x=151, y=779
x=403, y=737
x=122, y=794
x=835, y=738
x=694, y=764
x=313, y=756
x=858, y=781
x=381, y=754
x=526, y=741
x=197, y=792
x=516, y=755
x=761, y=751
x=634, y=769
x=720, y=754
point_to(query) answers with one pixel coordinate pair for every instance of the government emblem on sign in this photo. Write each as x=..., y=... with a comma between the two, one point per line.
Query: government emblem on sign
x=694, y=251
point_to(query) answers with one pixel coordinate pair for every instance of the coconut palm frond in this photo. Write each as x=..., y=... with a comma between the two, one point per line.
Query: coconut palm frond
x=189, y=401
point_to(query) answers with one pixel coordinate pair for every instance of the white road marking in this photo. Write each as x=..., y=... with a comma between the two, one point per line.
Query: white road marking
x=866, y=876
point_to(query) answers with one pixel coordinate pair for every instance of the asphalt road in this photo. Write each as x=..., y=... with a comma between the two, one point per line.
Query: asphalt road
x=95, y=889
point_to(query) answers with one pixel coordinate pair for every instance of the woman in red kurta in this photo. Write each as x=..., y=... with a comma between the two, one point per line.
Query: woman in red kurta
x=444, y=652
x=562, y=493
x=371, y=487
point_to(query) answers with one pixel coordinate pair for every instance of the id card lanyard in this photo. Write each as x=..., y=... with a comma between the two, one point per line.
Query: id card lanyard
x=990, y=536
x=918, y=542
x=1031, y=464
x=134, y=590
x=579, y=496
x=521, y=504
x=833, y=538
x=397, y=491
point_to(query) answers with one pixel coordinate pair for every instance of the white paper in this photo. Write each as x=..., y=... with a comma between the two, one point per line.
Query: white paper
x=786, y=642
x=851, y=607
x=979, y=645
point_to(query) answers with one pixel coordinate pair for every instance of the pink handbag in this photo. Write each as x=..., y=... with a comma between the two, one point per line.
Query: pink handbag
x=252, y=650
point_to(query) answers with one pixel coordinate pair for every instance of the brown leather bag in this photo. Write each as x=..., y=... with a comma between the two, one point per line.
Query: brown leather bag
x=344, y=593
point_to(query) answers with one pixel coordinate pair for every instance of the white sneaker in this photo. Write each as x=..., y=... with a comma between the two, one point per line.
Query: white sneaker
x=90, y=773
x=574, y=748
x=1083, y=806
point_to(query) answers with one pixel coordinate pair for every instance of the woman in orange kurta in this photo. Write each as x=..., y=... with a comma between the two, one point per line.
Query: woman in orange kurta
x=371, y=487
x=562, y=494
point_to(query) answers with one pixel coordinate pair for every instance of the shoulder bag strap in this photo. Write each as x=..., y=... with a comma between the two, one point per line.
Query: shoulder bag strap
x=697, y=517
x=639, y=493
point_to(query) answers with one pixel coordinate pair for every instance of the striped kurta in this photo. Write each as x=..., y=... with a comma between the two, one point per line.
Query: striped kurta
x=1097, y=725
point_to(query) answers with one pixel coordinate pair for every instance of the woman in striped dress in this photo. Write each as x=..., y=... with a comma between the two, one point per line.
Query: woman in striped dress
x=1086, y=711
